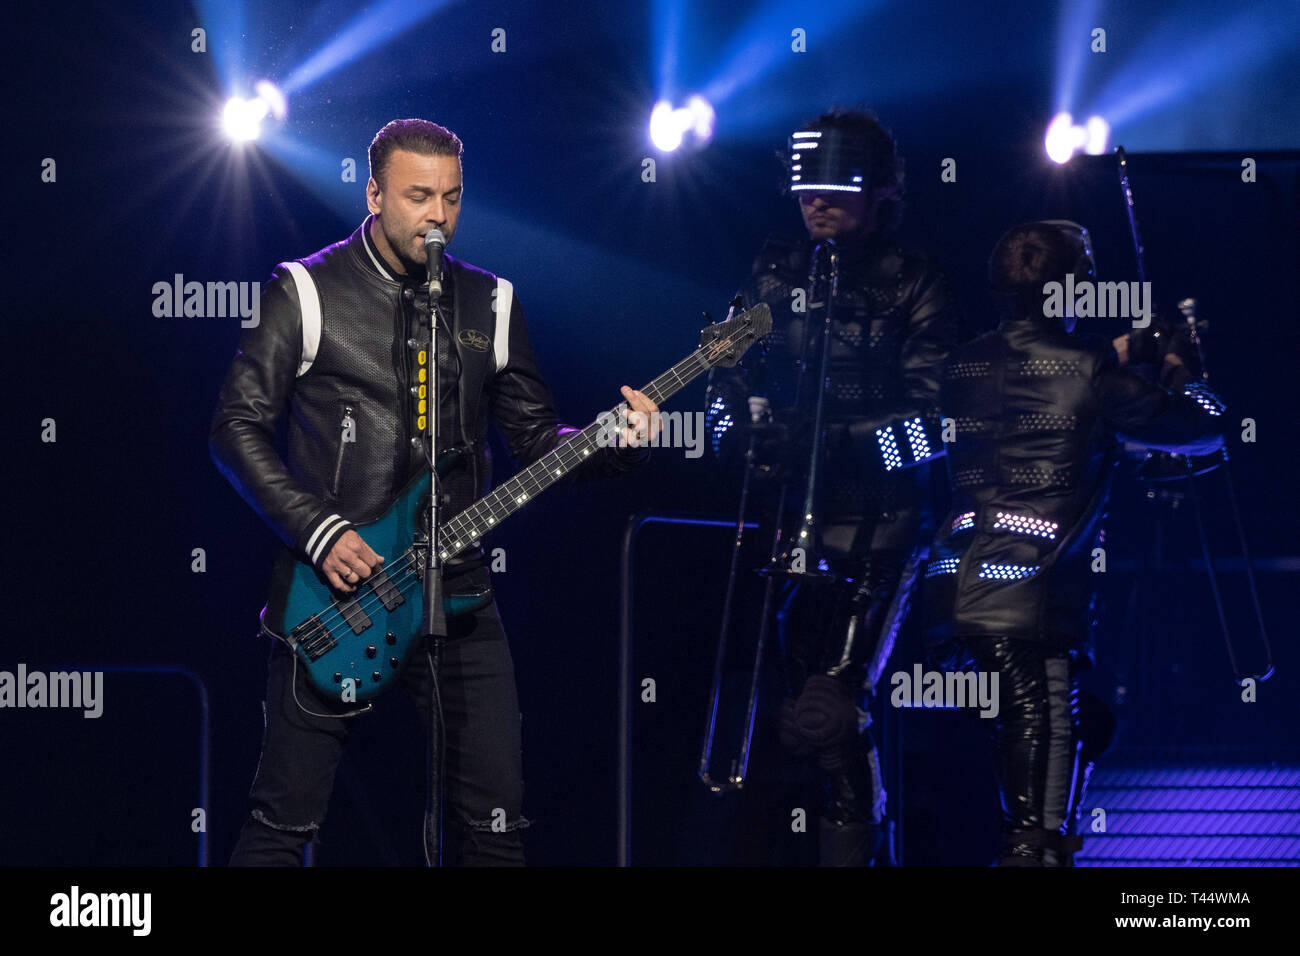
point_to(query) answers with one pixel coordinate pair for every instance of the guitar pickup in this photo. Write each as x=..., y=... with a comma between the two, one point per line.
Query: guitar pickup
x=357, y=619
x=314, y=637
x=382, y=585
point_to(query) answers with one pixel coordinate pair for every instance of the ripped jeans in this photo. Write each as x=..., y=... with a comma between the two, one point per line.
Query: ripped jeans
x=483, y=764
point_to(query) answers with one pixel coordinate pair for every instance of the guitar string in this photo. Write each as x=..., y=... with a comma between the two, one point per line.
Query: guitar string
x=369, y=601
x=366, y=601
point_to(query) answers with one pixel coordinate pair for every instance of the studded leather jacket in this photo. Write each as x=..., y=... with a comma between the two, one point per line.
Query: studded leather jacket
x=347, y=369
x=894, y=322
x=1037, y=416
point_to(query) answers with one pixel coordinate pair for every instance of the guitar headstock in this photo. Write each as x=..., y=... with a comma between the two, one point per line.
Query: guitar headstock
x=729, y=340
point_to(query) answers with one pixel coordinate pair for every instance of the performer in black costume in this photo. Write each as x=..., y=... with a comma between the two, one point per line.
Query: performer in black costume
x=1036, y=414
x=894, y=322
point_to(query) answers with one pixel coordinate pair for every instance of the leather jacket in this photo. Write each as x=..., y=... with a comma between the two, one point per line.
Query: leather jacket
x=1038, y=415
x=895, y=321
x=349, y=381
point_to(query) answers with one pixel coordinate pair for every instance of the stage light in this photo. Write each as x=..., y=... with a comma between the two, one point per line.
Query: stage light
x=1058, y=141
x=665, y=129
x=1098, y=131
x=702, y=117
x=275, y=100
x=1064, y=139
x=669, y=127
x=242, y=119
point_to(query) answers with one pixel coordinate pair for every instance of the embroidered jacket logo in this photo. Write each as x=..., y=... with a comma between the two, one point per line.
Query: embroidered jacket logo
x=474, y=339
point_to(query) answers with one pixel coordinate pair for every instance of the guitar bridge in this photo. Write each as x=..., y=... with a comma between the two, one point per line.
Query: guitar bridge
x=313, y=637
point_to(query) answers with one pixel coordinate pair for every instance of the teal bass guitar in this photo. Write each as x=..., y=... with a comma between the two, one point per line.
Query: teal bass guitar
x=353, y=646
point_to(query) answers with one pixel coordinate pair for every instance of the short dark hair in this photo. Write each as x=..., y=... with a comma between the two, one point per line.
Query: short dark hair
x=1026, y=258
x=416, y=135
x=884, y=161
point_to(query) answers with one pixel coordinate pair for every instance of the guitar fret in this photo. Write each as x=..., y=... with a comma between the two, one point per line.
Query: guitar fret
x=470, y=524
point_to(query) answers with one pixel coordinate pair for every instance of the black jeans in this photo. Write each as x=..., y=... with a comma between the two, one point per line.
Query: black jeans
x=484, y=778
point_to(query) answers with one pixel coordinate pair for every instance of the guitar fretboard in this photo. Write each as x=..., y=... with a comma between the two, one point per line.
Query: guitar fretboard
x=465, y=529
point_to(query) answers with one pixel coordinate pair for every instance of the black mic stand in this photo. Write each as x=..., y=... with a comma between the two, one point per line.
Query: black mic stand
x=434, y=621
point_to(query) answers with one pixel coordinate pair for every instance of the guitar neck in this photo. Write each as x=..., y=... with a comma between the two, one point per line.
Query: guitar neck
x=464, y=530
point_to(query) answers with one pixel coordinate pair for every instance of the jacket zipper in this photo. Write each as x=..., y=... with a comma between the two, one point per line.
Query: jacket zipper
x=348, y=421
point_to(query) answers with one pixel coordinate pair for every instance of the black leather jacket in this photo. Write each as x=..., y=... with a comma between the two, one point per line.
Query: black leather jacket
x=364, y=381
x=1038, y=414
x=895, y=321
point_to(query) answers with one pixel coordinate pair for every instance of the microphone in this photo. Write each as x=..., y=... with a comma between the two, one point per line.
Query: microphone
x=435, y=243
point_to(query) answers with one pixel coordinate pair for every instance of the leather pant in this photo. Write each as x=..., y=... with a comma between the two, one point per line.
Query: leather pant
x=836, y=637
x=1046, y=737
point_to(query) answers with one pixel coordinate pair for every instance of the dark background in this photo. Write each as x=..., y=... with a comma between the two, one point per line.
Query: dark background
x=613, y=274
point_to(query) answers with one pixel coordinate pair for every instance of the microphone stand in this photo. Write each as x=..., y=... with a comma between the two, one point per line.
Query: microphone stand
x=434, y=621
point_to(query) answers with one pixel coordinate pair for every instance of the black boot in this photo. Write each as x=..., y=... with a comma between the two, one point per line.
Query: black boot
x=1038, y=847
x=850, y=844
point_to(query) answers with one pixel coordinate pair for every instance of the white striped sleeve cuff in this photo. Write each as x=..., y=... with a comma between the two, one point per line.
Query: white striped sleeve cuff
x=320, y=536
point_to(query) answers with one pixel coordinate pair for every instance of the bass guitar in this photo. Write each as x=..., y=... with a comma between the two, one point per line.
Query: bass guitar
x=355, y=645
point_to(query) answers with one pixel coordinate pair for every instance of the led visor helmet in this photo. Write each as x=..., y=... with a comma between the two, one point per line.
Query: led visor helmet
x=827, y=160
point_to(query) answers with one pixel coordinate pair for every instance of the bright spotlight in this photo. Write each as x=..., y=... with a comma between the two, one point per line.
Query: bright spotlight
x=669, y=127
x=1098, y=131
x=275, y=100
x=665, y=132
x=702, y=117
x=242, y=119
x=1057, y=140
x=1064, y=139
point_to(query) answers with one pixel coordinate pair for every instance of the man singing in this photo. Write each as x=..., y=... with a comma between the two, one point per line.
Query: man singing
x=341, y=353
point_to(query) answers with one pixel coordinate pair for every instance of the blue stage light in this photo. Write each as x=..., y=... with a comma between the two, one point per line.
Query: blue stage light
x=242, y=118
x=670, y=128
x=1063, y=138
